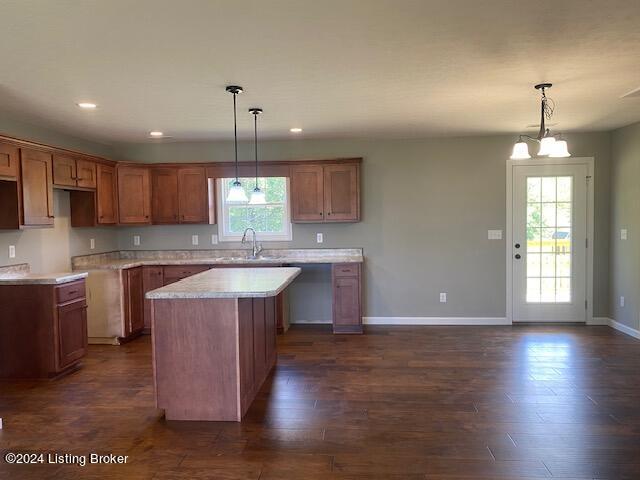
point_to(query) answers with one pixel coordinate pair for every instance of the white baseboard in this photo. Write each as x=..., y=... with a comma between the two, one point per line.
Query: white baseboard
x=624, y=329
x=436, y=321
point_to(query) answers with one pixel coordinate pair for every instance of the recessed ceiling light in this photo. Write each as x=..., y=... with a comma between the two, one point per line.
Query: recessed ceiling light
x=295, y=130
x=87, y=105
x=156, y=133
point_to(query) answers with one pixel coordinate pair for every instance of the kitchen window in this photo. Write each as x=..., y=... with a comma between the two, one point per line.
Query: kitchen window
x=271, y=220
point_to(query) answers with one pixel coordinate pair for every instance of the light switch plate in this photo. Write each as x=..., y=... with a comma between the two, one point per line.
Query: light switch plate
x=12, y=251
x=136, y=240
x=494, y=234
x=623, y=234
x=214, y=239
x=443, y=297
x=622, y=301
x=92, y=243
x=319, y=237
x=194, y=239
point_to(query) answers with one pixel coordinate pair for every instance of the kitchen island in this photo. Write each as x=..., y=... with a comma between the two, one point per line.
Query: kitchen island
x=214, y=340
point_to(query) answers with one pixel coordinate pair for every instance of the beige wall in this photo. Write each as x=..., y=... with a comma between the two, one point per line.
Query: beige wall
x=625, y=214
x=50, y=249
x=426, y=204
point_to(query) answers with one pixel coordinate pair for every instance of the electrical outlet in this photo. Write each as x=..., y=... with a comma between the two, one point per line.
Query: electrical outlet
x=319, y=237
x=92, y=243
x=623, y=234
x=136, y=240
x=12, y=251
x=214, y=239
x=622, y=301
x=443, y=298
x=494, y=234
x=194, y=239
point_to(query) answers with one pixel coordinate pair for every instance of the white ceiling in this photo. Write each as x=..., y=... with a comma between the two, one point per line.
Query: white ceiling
x=396, y=68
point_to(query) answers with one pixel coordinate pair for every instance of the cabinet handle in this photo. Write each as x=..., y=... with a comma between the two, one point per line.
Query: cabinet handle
x=329, y=213
x=71, y=292
x=79, y=179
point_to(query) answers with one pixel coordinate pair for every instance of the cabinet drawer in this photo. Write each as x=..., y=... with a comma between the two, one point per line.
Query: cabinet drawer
x=346, y=270
x=173, y=273
x=70, y=291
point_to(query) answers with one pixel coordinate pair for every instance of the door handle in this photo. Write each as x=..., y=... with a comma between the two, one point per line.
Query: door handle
x=518, y=257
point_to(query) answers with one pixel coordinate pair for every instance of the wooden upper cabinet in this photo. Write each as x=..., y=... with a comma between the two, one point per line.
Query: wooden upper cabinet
x=179, y=195
x=164, y=195
x=86, y=174
x=8, y=161
x=64, y=170
x=325, y=193
x=134, y=195
x=341, y=193
x=307, y=193
x=106, y=197
x=192, y=199
x=37, y=187
x=70, y=171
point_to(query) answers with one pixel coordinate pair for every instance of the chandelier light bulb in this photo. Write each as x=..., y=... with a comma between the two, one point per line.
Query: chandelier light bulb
x=546, y=146
x=559, y=149
x=237, y=193
x=257, y=197
x=520, y=151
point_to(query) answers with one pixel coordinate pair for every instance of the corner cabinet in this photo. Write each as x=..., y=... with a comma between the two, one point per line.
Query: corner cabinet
x=327, y=193
x=106, y=195
x=37, y=187
x=347, y=292
x=134, y=195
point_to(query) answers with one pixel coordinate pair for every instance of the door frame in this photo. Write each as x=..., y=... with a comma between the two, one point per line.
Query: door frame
x=589, y=162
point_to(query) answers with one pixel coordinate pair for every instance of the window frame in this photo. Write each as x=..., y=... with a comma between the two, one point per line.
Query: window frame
x=223, y=208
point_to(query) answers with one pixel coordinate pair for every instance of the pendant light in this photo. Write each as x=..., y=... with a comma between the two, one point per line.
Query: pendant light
x=257, y=195
x=549, y=144
x=236, y=192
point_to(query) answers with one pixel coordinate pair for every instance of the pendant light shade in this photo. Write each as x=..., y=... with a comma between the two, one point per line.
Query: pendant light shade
x=520, y=151
x=257, y=195
x=546, y=146
x=236, y=192
x=559, y=149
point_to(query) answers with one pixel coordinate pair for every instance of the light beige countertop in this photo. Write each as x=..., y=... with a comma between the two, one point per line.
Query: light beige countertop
x=135, y=258
x=21, y=275
x=229, y=283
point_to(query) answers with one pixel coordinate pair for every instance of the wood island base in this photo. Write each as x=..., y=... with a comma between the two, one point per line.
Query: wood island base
x=212, y=355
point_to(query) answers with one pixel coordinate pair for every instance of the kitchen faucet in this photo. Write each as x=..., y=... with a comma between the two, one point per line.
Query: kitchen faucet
x=257, y=247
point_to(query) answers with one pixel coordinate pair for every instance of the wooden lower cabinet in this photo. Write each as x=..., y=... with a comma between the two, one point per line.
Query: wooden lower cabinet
x=152, y=278
x=347, y=292
x=43, y=329
x=133, y=288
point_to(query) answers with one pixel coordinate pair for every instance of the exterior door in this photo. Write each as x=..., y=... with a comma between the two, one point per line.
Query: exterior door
x=549, y=248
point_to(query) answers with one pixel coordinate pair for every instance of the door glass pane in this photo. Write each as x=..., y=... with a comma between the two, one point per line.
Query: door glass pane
x=549, y=224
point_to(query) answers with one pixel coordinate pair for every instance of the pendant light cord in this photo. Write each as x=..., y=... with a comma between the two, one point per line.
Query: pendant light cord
x=235, y=133
x=255, y=142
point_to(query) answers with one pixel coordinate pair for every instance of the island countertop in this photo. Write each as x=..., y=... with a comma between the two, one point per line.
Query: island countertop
x=229, y=283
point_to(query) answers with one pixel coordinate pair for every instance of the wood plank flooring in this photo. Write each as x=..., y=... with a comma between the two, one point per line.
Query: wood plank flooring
x=525, y=402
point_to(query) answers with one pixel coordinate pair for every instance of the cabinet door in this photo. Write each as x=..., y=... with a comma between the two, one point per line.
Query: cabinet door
x=152, y=278
x=106, y=197
x=347, y=316
x=71, y=332
x=86, y=173
x=8, y=161
x=193, y=195
x=64, y=171
x=37, y=187
x=134, y=195
x=134, y=297
x=164, y=195
x=307, y=193
x=341, y=193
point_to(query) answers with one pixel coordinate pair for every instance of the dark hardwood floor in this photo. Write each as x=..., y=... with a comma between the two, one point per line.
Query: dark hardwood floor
x=523, y=402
